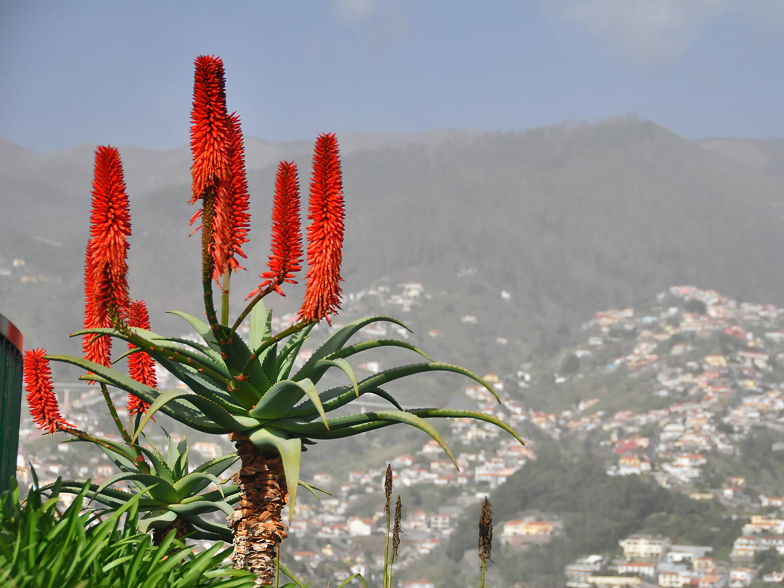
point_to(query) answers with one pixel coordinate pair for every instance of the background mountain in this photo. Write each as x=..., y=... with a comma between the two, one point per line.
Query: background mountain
x=566, y=219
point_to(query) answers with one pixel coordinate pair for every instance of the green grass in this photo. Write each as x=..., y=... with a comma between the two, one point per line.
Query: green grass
x=43, y=548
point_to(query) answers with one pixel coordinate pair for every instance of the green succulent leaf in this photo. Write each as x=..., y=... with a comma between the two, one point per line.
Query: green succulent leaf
x=202, y=385
x=158, y=463
x=374, y=344
x=268, y=362
x=321, y=366
x=218, y=465
x=179, y=411
x=312, y=489
x=189, y=484
x=260, y=325
x=117, y=452
x=158, y=404
x=317, y=430
x=430, y=413
x=212, y=360
x=290, y=451
x=289, y=352
x=201, y=328
x=210, y=409
x=339, y=397
x=111, y=497
x=206, y=530
x=154, y=343
x=283, y=396
x=201, y=507
x=290, y=574
x=156, y=519
x=337, y=341
x=231, y=495
x=158, y=488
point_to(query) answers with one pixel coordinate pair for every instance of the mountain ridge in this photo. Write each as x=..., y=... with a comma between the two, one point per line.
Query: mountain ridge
x=567, y=219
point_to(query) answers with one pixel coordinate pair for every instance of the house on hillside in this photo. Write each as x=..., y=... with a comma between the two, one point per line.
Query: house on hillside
x=741, y=577
x=638, y=568
x=644, y=547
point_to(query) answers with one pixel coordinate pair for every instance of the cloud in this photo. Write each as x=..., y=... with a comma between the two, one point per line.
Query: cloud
x=383, y=22
x=652, y=32
x=353, y=11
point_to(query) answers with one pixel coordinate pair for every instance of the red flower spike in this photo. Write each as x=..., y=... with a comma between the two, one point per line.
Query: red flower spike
x=141, y=367
x=325, y=233
x=286, y=258
x=232, y=220
x=210, y=132
x=97, y=349
x=110, y=227
x=40, y=392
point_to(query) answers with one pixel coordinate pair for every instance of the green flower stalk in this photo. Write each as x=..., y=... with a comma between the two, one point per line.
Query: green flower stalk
x=387, y=515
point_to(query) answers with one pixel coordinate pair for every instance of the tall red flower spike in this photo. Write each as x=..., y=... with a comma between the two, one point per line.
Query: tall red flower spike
x=325, y=233
x=97, y=349
x=141, y=367
x=110, y=227
x=286, y=258
x=232, y=220
x=40, y=392
x=210, y=146
x=210, y=131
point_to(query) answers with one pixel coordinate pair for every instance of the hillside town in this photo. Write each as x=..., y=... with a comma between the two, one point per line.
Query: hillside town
x=707, y=370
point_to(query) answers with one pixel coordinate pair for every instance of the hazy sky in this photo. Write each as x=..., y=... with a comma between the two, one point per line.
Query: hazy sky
x=121, y=72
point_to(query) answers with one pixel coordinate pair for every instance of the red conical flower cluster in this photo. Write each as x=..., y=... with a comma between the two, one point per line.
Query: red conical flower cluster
x=210, y=130
x=141, y=367
x=232, y=220
x=40, y=392
x=106, y=265
x=325, y=233
x=97, y=349
x=286, y=258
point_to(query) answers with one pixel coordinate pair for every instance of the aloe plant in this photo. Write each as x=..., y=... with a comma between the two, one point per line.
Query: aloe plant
x=245, y=388
x=172, y=495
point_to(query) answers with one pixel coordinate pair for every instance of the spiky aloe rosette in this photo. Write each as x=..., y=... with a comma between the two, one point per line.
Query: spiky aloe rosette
x=173, y=494
x=248, y=389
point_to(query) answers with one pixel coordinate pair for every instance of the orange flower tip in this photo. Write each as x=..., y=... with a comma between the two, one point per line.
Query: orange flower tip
x=41, y=398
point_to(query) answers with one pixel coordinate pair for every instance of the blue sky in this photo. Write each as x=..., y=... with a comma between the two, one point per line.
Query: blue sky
x=121, y=72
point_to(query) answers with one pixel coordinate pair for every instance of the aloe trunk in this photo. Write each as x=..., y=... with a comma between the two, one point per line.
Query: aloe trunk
x=257, y=526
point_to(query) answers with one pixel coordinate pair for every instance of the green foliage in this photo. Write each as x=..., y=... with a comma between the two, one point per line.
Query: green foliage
x=247, y=386
x=695, y=306
x=172, y=490
x=570, y=365
x=41, y=548
x=768, y=561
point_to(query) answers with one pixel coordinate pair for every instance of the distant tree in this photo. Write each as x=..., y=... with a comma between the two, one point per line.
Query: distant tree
x=695, y=306
x=570, y=365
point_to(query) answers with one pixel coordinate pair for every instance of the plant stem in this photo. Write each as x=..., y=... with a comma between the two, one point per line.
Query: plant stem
x=207, y=262
x=87, y=437
x=277, y=568
x=272, y=340
x=225, y=297
x=113, y=412
x=250, y=306
x=484, y=565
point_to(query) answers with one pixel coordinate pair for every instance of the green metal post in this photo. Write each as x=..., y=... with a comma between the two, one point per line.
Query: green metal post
x=10, y=398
